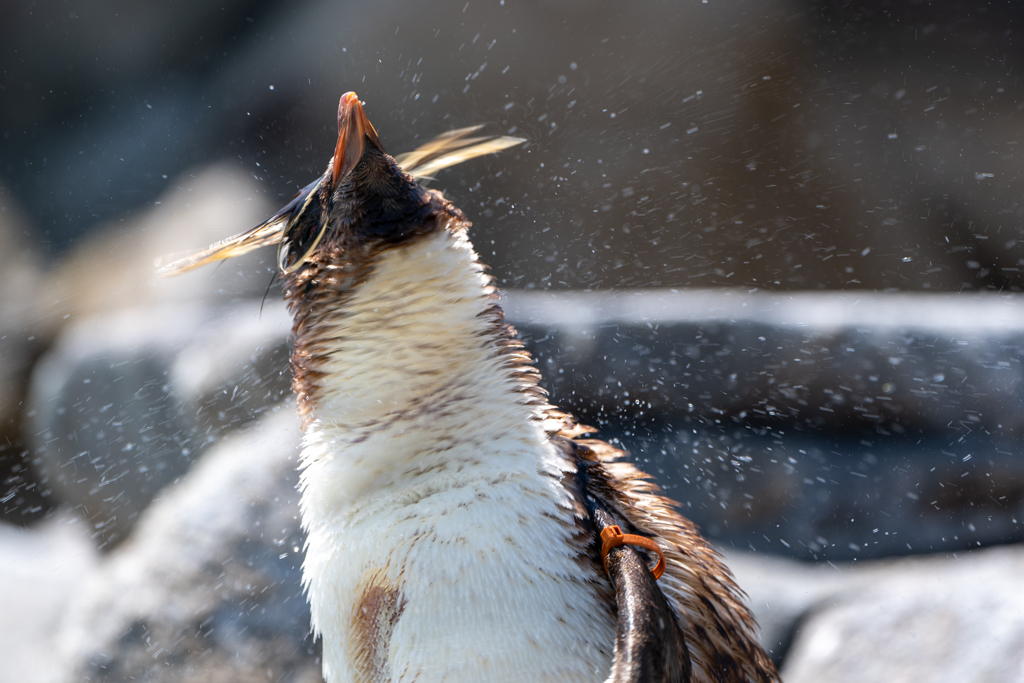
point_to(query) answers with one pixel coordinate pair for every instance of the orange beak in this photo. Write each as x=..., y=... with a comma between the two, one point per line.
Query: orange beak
x=353, y=129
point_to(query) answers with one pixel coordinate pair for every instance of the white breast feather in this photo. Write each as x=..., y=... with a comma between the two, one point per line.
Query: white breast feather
x=426, y=470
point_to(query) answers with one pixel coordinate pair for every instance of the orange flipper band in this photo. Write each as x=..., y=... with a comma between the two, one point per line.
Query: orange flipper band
x=612, y=537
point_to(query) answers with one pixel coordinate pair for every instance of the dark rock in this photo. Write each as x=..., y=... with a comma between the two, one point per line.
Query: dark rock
x=207, y=587
x=110, y=423
x=235, y=367
x=840, y=361
x=821, y=497
x=108, y=431
x=113, y=270
x=124, y=403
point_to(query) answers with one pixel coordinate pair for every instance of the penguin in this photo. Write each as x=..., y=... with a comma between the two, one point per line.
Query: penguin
x=459, y=526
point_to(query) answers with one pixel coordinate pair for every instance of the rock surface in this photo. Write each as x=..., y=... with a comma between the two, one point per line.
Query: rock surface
x=202, y=584
x=111, y=271
x=205, y=584
x=905, y=362
x=115, y=266
x=779, y=592
x=41, y=572
x=957, y=618
x=125, y=402
x=207, y=589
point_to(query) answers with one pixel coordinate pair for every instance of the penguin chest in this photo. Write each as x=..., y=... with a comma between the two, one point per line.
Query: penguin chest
x=458, y=586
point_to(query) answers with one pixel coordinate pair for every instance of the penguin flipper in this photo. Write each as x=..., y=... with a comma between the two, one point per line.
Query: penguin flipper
x=649, y=643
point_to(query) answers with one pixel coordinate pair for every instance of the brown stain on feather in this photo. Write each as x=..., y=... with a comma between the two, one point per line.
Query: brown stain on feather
x=374, y=616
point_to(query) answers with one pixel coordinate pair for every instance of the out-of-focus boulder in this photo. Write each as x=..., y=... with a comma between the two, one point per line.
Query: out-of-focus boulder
x=780, y=592
x=125, y=402
x=820, y=425
x=955, y=618
x=208, y=587
x=115, y=267
x=41, y=572
x=235, y=367
x=779, y=143
x=117, y=412
x=907, y=361
x=113, y=270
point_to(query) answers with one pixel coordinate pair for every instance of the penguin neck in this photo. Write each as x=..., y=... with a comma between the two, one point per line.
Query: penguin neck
x=408, y=367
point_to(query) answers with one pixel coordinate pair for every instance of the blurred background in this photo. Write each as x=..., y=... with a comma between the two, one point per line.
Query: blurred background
x=773, y=248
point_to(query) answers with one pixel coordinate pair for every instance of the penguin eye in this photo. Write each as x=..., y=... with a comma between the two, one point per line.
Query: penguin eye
x=302, y=235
